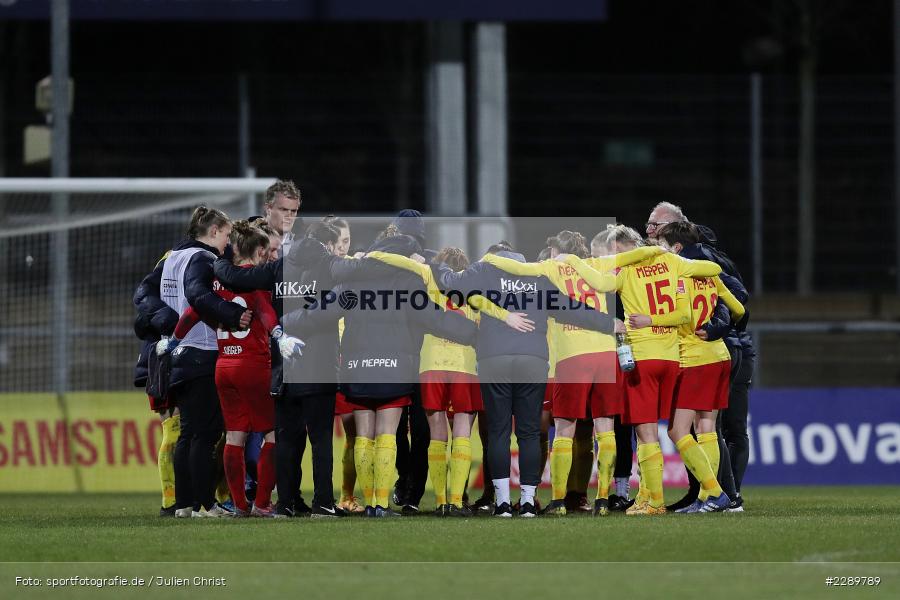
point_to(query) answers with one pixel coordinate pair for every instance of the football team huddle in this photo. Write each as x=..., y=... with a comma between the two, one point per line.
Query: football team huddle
x=256, y=338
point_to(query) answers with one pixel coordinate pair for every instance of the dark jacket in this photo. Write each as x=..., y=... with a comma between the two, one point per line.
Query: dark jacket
x=382, y=339
x=720, y=324
x=188, y=363
x=154, y=319
x=536, y=296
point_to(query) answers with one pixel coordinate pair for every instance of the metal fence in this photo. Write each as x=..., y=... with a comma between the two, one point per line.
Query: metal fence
x=579, y=143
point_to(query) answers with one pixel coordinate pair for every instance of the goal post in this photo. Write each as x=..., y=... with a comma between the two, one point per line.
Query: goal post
x=72, y=250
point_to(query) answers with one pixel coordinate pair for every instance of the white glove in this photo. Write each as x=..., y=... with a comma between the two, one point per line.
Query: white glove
x=289, y=346
x=166, y=345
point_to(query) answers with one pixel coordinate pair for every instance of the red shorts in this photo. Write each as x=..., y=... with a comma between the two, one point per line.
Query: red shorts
x=649, y=390
x=587, y=380
x=705, y=387
x=378, y=403
x=244, y=396
x=450, y=390
x=341, y=406
x=548, y=394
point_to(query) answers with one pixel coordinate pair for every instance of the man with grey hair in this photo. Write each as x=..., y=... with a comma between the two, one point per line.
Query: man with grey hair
x=663, y=214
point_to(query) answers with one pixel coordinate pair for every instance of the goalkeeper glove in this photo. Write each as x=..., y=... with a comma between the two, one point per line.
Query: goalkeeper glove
x=289, y=346
x=166, y=345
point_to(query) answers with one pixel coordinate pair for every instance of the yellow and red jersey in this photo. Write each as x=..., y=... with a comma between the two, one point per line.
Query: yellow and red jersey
x=702, y=294
x=439, y=354
x=650, y=287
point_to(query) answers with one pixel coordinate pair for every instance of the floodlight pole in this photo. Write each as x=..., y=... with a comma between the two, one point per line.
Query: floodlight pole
x=446, y=122
x=491, y=149
x=59, y=156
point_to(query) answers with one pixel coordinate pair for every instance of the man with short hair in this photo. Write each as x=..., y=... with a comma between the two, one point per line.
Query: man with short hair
x=282, y=204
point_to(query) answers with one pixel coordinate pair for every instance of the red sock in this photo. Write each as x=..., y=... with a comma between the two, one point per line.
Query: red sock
x=235, y=474
x=265, y=470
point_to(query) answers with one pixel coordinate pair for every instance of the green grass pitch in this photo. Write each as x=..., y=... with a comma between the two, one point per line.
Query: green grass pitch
x=786, y=545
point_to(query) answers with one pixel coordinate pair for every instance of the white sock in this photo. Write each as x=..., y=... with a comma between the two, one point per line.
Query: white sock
x=501, y=491
x=527, y=494
x=623, y=485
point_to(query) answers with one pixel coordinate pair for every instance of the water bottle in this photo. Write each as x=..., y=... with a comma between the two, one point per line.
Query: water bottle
x=623, y=351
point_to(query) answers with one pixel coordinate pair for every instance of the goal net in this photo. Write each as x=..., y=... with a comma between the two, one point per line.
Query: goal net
x=72, y=252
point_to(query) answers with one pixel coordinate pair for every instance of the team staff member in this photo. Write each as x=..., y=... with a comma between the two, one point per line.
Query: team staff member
x=185, y=279
x=379, y=361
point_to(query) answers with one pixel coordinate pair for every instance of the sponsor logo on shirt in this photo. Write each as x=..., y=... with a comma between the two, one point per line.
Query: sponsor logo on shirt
x=515, y=286
x=295, y=289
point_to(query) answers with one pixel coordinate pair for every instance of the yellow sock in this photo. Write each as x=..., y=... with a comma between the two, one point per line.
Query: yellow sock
x=606, y=461
x=460, y=464
x=223, y=493
x=560, y=465
x=710, y=444
x=643, y=495
x=348, y=464
x=364, y=458
x=695, y=460
x=437, y=469
x=385, y=467
x=171, y=429
x=651, y=460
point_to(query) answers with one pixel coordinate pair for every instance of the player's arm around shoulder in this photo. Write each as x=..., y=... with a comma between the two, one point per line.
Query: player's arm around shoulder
x=198, y=290
x=692, y=268
x=515, y=267
x=600, y=281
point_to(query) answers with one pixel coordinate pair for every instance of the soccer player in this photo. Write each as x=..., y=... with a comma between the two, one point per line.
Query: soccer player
x=449, y=389
x=585, y=367
x=617, y=239
x=306, y=390
x=243, y=373
x=649, y=287
x=155, y=319
x=702, y=387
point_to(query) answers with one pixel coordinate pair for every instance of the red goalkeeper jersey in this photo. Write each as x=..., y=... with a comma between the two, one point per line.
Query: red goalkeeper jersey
x=239, y=347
